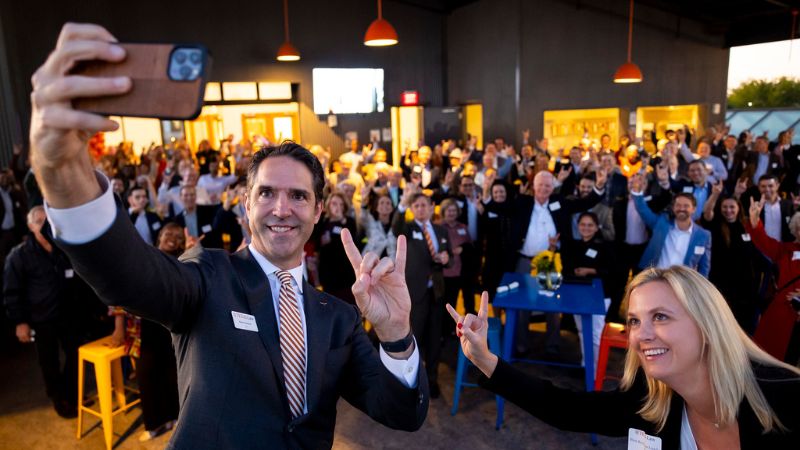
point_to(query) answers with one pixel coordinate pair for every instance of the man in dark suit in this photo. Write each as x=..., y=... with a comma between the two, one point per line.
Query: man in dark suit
x=776, y=212
x=630, y=232
x=763, y=161
x=697, y=185
x=733, y=157
x=537, y=222
x=198, y=220
x=468, y=200
x=147, y=223
x=428, y=252
x=263, y=357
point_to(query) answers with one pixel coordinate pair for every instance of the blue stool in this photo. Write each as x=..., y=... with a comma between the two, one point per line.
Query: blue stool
x=461, y=369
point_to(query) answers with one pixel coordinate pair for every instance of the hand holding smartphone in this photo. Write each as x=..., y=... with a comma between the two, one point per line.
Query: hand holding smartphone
x=168, y=81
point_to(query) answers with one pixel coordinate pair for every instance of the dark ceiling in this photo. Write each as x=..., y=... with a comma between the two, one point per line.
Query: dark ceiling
x=738, y=22
x=742, y=22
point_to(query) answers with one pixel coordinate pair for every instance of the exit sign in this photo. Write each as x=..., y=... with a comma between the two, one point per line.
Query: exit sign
x=409, y=98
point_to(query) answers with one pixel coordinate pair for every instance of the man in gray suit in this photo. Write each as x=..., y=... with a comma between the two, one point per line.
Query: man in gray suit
x=262, y=356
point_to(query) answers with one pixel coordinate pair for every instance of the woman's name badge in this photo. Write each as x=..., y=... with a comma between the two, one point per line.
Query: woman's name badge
x=746, y=237
x=591, y=253
x=639, y=440
x=795, y=256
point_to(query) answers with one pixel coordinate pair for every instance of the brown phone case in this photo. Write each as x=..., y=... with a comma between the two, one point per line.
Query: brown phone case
x=153, y=93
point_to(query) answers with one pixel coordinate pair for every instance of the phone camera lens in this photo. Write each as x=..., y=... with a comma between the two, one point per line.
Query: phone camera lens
x=180, y=57
x=186, y=72
x=195, y=57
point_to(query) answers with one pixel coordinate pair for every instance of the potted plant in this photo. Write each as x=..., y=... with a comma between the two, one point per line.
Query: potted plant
x=546, y=267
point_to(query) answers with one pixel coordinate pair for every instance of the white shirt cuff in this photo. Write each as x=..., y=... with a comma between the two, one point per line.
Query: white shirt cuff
x=87, y=222
x=405, y=370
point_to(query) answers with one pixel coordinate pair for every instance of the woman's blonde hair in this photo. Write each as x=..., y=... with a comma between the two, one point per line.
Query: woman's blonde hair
x=728, y=351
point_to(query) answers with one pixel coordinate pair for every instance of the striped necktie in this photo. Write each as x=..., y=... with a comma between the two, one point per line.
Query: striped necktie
x=293, y=350
x=428, y=240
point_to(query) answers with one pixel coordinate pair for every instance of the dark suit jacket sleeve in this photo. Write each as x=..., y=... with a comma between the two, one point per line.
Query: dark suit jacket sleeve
x=16, y=303
x=399, y=223
x=126, y=271
x=370, y=387
x=575, y=204
x=608, y=413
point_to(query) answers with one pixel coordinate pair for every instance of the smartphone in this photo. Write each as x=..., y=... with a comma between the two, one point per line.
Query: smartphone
x=168, y=81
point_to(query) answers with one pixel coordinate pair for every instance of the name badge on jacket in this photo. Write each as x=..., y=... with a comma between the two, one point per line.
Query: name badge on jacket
x=69, y=273
x=244, y=321
x=492, y=215
x=774, y=165
x=336, y=230
x=417, y=235
x=688, y=190
x=156, y=226
x=462, y=232
x=555, y=206
x=699, y=250
x=206, y=229
x=591, y=253
x=746, y=237
x=639, y=440
x=460, y=204
x=795, y=256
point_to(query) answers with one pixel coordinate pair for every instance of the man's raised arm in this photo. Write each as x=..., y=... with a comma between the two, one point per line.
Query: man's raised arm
x=59, y=133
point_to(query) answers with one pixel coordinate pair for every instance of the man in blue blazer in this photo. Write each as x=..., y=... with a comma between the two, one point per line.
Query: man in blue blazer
x=675, y=241
x=263, y=357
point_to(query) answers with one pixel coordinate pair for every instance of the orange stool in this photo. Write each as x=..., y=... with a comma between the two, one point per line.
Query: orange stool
x=614, y=335
x=108, y=373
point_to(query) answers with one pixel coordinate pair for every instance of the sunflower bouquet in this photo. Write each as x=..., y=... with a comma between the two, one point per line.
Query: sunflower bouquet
x=546, y=267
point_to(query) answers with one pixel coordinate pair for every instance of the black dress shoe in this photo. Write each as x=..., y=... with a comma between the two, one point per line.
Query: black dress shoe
x=65, y=409
x=435, y=391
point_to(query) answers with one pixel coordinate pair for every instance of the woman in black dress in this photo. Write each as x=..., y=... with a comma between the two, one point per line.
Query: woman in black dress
x=736, y=264
x=335, y=274
x=495, y=223
x=589, y=257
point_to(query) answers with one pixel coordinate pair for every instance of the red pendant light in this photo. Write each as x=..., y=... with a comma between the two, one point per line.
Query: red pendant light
x=287, y=51
x=629, y=72
x=380, y=32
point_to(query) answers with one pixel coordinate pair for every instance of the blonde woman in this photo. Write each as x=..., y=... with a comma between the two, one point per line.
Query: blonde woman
x=692, y=377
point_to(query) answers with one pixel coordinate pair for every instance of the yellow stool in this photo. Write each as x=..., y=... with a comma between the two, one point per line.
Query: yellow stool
x=107, y=369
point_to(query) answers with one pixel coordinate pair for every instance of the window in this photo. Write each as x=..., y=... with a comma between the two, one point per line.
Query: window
x=348, y=91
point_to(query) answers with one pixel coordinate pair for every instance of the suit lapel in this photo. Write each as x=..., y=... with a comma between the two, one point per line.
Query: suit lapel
x=259, y=299
x=318, y=336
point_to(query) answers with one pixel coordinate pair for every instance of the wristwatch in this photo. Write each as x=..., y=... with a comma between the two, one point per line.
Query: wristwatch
x=399, y=345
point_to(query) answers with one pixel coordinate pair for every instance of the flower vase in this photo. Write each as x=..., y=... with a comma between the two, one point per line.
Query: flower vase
x=550, y=280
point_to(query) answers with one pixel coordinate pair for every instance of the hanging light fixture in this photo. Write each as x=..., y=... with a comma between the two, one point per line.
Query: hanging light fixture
x=287, y=51
x=629, y=72
x=380, y=32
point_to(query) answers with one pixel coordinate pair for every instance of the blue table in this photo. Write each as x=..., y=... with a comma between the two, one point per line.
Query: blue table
x=580, y=299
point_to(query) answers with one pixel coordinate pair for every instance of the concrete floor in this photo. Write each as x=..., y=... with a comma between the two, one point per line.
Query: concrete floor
x=27, y=420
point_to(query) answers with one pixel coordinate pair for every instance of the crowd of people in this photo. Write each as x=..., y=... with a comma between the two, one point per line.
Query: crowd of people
x=720, y=204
